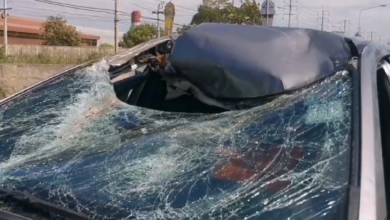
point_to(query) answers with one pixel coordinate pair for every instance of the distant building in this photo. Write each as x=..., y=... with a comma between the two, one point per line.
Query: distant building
x=267, y=11
x=28, y=31
x=135, y=18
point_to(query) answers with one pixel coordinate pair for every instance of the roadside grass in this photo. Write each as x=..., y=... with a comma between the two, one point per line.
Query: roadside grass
x=2, y=94
x=47, y=58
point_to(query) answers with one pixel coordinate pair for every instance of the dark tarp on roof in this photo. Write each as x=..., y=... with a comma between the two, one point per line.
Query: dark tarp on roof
x=243, y=61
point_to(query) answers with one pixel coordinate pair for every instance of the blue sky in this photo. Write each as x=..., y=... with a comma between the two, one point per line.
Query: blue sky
x=375, y=20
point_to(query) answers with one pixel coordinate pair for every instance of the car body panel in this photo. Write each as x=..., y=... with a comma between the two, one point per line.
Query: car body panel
x=126, y=55
x=372, y=195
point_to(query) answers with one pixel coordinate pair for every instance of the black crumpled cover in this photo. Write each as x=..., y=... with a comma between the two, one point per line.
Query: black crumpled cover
x=244, y=61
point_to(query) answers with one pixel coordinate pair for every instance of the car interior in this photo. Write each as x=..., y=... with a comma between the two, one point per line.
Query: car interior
x=142, y=82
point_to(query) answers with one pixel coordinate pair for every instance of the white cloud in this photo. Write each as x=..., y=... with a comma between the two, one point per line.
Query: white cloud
x=375, y=20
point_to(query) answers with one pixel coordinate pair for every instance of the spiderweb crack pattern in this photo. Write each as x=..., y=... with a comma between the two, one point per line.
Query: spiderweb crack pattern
x=71, y=143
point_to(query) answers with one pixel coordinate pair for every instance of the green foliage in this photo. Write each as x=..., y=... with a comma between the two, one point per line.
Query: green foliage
x=2, y=94
x=216, y=3
x=137, y=35
x=58, y=33
x=248, y=13
x=184, y=28
x=221, y=11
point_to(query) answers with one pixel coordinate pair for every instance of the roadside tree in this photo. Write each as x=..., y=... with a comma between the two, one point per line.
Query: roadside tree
x=137, y=35
x=222, y=11
x=56, y=32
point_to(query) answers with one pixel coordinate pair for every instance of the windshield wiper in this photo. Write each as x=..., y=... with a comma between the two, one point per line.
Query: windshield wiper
x=38, y=205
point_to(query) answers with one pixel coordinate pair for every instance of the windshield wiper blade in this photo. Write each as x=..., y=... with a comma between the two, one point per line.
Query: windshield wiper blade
x=40, y=205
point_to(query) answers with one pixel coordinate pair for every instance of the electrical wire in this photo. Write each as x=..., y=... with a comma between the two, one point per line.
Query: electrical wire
x=79, y=7
x=307, y=15
x=22, y=8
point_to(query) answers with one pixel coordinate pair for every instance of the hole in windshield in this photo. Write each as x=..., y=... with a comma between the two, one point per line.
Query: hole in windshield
x=72, y=143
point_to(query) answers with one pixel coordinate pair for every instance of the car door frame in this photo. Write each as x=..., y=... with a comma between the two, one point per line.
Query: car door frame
x=371, y=194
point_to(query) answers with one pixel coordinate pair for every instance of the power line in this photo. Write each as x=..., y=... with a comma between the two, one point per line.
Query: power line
x=178, y=8
x=289, y=5
x=86, y=8
x=79, y=7
x=346, y=22
x=312, y=20
x=305, y=15
x=21, y=8
x=83, y=16
x=322, y=17
x=141, y=6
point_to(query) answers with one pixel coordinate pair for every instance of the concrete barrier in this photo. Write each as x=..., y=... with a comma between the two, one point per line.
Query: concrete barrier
x=16, y=77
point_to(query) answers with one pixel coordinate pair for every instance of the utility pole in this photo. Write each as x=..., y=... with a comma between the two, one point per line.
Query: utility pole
x=322, y=17
x=372, y=35
x=5, y=27
x=267, y=11
x=116, y=24
x=363, y=33
x=158, y=12
x=290, y=4
x=289, y=14
x=346, y=22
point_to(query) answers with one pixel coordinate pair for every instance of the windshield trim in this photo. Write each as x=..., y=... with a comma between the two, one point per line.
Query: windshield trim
x=37, y=204
x=354, y=173
x=4, y=215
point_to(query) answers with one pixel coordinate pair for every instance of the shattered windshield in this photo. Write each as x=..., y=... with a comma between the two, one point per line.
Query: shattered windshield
x=71, y=143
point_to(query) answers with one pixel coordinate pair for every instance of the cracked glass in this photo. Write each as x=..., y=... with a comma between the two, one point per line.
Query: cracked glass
x=72, y=143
